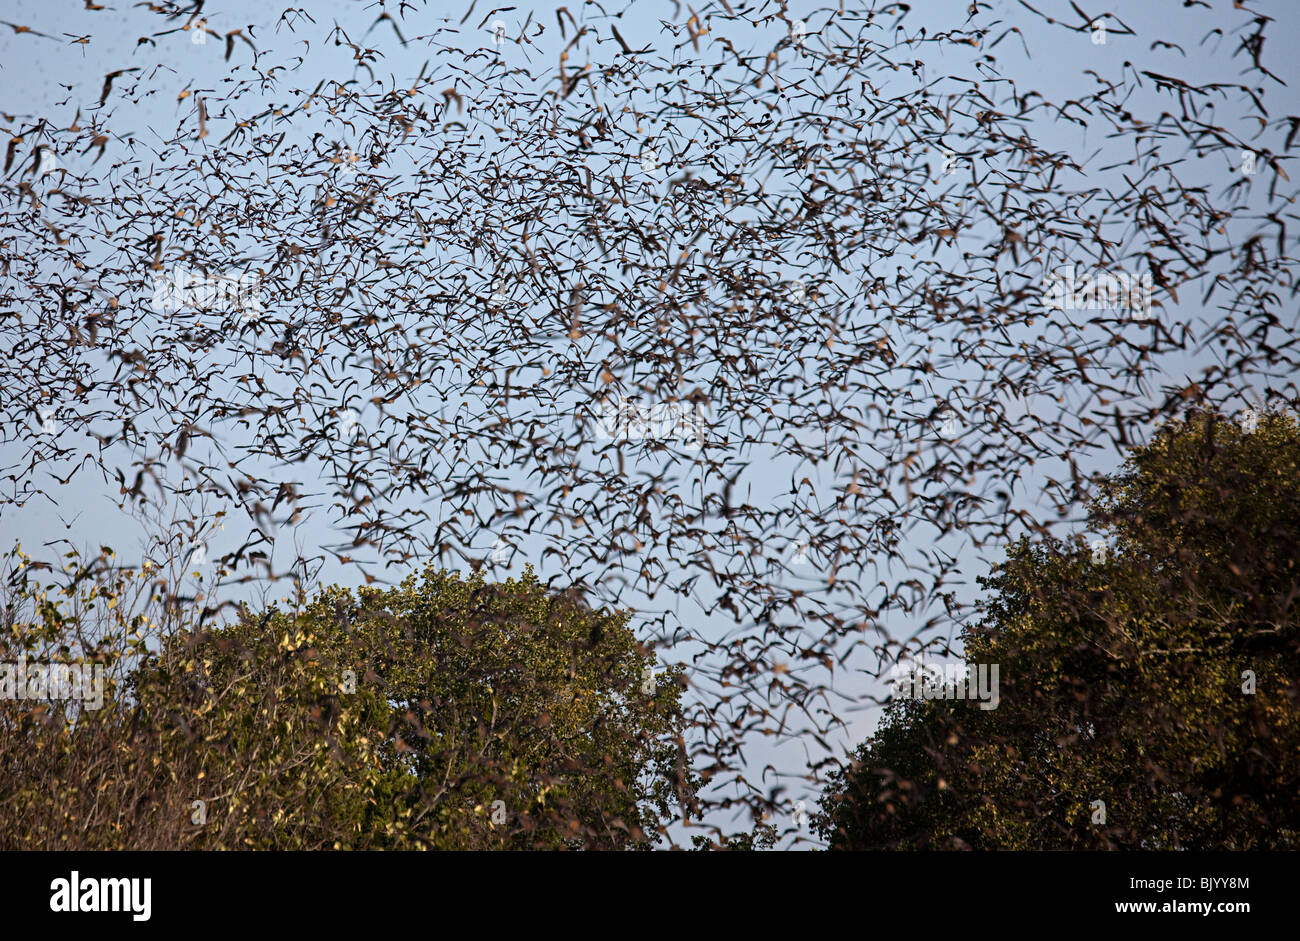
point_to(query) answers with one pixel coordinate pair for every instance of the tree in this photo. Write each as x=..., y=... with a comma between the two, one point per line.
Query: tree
x=1149, y=684
x=443, y=713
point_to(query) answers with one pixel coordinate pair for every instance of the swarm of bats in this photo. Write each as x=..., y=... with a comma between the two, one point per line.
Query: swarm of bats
x=742, y=322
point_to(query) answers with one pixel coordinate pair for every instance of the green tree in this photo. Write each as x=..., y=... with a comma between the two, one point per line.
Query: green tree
x=444, y=713
x=1127, y=672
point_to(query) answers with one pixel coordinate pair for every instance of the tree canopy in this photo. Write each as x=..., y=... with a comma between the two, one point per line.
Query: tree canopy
x=1149, y=680
x=443, y=713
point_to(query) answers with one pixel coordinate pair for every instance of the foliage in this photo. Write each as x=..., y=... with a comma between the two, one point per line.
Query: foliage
x=763, y=837
x=388, y=719
x=1123, y=674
